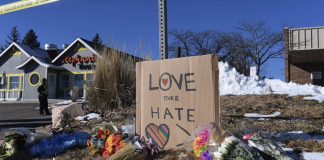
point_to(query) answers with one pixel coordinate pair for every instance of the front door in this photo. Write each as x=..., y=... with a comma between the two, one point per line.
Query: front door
x=51, y=85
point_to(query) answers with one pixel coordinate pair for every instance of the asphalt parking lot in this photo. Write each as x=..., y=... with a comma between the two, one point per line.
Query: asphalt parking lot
x=22, y=114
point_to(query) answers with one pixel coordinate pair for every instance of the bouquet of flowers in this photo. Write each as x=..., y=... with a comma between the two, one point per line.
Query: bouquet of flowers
x=137, y=149
x=13, y=143
x=210, y=141
x=200, y=147
x=261, y=141
x=234, y=149
x=96, y=142
x=148, y=145
x=265, y=145
x=58, y=144
x=113, y=144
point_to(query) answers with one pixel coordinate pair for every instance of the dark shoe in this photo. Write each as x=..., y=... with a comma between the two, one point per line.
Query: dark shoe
x=48, y=114
x=41, y=114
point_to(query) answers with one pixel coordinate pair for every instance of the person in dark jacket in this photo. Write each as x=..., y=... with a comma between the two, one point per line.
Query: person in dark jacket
x=42, y=97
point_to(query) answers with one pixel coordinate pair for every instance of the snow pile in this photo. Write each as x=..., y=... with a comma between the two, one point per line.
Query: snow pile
x=255, y=115
x=89, y=116
x=64, y=102
x=232, y=82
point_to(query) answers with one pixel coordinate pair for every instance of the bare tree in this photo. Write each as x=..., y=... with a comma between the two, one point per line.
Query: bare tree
x=196, y=43
x=181, y=38
x=237, y=55
x=262, y=42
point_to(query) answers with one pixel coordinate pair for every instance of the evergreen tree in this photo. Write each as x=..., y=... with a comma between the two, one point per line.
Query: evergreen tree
x=30, y=39
x=97, y=41
x=1, y=49
x=14, y=36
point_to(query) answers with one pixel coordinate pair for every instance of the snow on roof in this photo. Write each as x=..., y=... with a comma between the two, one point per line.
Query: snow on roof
x=33, y=51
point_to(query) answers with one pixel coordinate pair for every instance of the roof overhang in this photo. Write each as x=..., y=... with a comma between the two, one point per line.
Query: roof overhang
x=75, y=41
x=16, y=45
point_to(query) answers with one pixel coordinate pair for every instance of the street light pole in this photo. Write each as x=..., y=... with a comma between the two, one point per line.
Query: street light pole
x=163, y=29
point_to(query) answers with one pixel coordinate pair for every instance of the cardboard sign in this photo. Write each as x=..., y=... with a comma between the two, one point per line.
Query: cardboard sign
x=175, y=96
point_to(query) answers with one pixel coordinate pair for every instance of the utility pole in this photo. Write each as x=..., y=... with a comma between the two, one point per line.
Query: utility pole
x=163, y=29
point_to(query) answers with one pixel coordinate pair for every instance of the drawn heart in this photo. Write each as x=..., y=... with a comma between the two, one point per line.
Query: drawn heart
x=164, y=81
x=160, y=135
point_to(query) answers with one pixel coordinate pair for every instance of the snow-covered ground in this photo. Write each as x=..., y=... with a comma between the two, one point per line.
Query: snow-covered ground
x=231, y=82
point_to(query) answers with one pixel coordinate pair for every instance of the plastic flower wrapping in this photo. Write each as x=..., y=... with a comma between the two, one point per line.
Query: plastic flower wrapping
x=263, y=143
x=58, y=144
x=13, y=143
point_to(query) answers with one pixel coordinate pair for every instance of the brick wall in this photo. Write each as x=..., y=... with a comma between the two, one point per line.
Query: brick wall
x=301, y=73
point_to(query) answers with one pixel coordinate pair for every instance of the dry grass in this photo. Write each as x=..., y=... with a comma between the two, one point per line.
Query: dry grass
x=310, y=145
x=114, y=84
x=290, y=107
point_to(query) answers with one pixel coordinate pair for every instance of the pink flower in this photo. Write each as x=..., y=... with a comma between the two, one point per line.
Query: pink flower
x=246, y=138
x=204, y=136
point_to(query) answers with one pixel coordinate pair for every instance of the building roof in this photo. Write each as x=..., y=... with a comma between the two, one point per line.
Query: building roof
x=40, y=61
x=47, y=58
x=15, y=45
x=36, y=52
x=86, y=44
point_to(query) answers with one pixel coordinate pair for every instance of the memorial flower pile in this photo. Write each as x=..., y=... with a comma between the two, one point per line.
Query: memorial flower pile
x=233, y=149
x=200, y=147
x=265, y=145
x=58, y=144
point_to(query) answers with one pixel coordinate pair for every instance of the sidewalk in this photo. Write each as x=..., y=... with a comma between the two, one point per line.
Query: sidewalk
x=50, y=101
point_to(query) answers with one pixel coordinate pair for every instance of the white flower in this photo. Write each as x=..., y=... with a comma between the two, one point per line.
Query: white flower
x=218, y=155
x=224, y=145
x=230, y=139
x=222, y=150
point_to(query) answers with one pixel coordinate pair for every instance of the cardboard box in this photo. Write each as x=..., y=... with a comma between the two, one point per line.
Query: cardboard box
x=175, y=96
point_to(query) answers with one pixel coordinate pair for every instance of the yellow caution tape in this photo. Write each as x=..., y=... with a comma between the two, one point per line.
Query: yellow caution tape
x=23, y=4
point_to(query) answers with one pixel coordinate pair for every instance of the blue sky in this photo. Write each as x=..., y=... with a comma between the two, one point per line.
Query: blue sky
x=133, y=21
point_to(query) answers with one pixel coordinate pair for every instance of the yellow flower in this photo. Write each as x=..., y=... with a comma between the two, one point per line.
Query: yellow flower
x=122, y=143
x=109, y=140
x=110, y=149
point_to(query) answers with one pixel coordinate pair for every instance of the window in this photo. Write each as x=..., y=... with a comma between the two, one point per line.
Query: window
x=3, y=86
x=51, y=81
x=65, y=82
x=316, y=75
x=22, y=83
x=78, y=80
x=90, y=78
x=34, y=79
x=14, y=83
